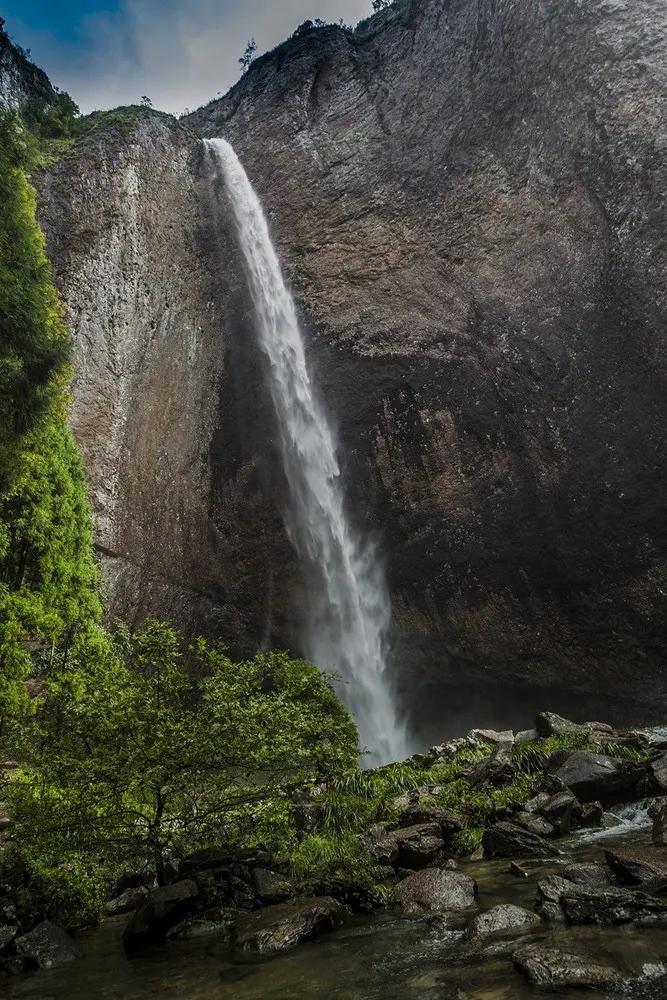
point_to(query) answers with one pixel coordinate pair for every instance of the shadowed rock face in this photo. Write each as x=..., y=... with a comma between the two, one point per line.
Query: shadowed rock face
x=173, y=474
x=468, y=202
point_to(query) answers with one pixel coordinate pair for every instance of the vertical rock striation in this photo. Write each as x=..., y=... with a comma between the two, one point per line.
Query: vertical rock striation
x=468, y=200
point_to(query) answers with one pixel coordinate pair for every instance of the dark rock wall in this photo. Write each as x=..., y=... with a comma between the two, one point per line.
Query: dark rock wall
x=468, y=200
x=469, y=203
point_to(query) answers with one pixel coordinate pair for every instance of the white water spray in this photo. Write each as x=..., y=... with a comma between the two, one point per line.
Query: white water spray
x=349, y=617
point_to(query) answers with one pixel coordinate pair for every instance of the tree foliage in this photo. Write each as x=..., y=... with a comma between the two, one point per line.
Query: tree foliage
x=47, y=573
x=130, y=761
x=248, y=55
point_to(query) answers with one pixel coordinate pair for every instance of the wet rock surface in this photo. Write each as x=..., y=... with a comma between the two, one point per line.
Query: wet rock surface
x=548, y=967
x=280, y=928
x=508, y=840
x=435, y=891
x=641, y=865
x=506, y=918
x=46, y=947
x=163, y=908
x=596, y=777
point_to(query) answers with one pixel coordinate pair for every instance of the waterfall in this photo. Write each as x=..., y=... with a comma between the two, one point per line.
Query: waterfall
x=350, y=610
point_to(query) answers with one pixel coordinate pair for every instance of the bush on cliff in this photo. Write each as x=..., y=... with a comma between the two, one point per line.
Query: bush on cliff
x=131, y=762
x=48, y=579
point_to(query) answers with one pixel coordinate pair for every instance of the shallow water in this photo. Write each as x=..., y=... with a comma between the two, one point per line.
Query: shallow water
x=381, y=957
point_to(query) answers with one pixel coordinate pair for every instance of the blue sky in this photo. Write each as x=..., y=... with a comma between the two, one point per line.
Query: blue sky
x=180, y=54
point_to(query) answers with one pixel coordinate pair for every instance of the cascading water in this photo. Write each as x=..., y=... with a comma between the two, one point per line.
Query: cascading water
x=349, y=618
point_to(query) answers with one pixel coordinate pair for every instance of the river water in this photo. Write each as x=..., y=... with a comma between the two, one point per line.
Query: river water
x=380, y=957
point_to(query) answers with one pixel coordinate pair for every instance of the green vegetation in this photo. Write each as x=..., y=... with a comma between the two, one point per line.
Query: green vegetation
x=130, y=762
x=48, y=579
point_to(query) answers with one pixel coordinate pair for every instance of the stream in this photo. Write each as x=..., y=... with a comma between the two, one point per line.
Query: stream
x=379, y=957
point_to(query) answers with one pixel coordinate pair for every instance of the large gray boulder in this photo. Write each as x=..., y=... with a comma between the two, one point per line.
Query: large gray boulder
x=408, y=847
x=550, y=968
x=551, y=724
x=559, y=898
x=503, y=919
x=127, y=901
x=280, y=928
x=163, y=909
x=587, y=874
x=435, y=891
x=46, y=947
x=657, y=775
x=561, y=810
x=639, y=864
x=595, y=777
x=508, y=840
x=271, y=887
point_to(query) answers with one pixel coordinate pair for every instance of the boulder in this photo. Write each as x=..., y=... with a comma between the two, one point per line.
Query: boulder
x=382, y=846
x=641, y=864
x=560, y=810
x=356, y=897
x=219, y=923
x=497, y=771
x=535, y=804
x=550, y=968
x=657, y=775
x=127, y=901
x=46, y=947
x=527, y=736
x=550, y=724
x=591, y=814
x=7, y=934
x=493, y=737
x=277, y=929
x=424, y=812
x=271, y=887
x=549, y=892
x=601, y=905
x=164, y=908
x=417, y=845
x=587, y=874
x=225, y=856
x=535, y=824
x=658, y=813
x=503, y=919
x=508, y=840
x=435, y=891
x=593, y=777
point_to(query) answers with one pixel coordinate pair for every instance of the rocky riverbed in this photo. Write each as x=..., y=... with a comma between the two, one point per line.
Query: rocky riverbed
x=567, y=891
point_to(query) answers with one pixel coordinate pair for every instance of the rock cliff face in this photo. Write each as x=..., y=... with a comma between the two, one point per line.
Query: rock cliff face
x=468, y=200
x=127, y=232
x=20, y=79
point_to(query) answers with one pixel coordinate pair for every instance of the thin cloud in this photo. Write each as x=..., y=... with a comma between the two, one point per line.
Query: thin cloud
x=178, y=54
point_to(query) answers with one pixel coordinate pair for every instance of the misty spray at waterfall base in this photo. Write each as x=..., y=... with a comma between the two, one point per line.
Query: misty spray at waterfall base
x=350, y=612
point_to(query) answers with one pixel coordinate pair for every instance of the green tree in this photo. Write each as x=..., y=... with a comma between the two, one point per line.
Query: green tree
x=48, y=579
x=130, y=761
x=34, y=348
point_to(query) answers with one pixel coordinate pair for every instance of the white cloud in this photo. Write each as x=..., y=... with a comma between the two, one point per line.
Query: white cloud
x=179, y=54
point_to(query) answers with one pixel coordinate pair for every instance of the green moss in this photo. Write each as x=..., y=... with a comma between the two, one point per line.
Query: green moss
x=48, y=578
